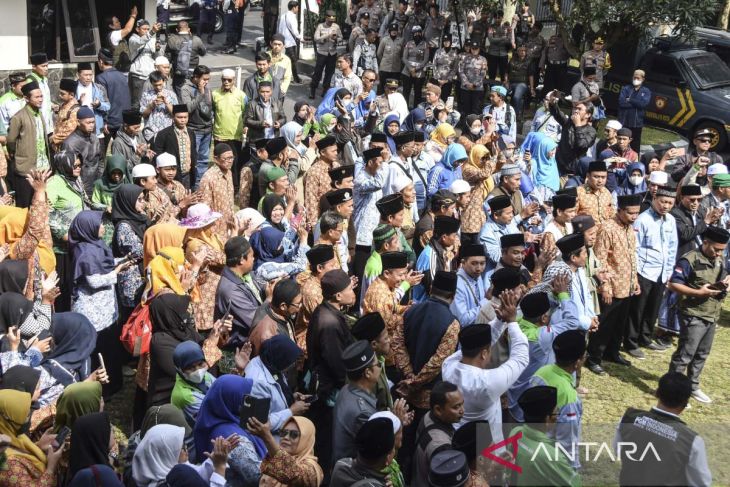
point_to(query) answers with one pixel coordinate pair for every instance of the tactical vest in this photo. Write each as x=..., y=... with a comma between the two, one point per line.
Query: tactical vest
x=703, y=272
x=669, y=437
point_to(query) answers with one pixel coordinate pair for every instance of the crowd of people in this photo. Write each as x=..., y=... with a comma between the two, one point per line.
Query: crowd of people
x=355, y=292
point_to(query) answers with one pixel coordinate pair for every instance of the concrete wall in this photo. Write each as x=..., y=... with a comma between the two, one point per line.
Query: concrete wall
x=14, y=35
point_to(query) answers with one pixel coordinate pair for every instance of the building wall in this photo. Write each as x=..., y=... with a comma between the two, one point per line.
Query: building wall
x=14, y=35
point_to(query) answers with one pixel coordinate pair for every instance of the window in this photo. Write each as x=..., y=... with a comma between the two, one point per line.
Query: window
x=66, y=30
x=82, y=30
x=663, y=70
x=709, y=70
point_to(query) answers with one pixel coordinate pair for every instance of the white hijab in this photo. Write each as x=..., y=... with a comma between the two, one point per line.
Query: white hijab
x=156, y=454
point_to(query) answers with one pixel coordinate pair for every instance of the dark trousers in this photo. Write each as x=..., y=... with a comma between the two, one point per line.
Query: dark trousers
x=693, y=348
x=232, y=22
x=23, y=190
x=405, y=455
x=636, y=138
x=135, y=90
x=269, y=26
x=471, y=102
x=64, y=269
x=206, y=22
x=606, y=341
x=554, y=76
x=497, y=65
x=362, y=254
x=415, y=84
x=383, y=76
x=643, y=313
x=107, y=140
x=115, y=356
x=236, y=146
x=293, y=53
x=325, y=64
x=446, y=90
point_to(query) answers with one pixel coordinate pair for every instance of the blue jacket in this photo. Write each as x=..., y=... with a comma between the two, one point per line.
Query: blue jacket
x=100, y=112
x=446, y=171
x=632, y=104
x=243, y=304
x=117, y=90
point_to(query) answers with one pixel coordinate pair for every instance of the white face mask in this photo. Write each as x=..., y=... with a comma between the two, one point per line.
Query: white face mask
x=636, y=82
x=419, y=126
x=475, y=130
x=636, y=180
x=197, y=376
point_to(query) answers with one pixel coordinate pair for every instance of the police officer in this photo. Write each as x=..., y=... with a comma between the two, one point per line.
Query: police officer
x=472, y=73
x=448, y=468
x=680, y=457
x=271, y=19
x=356, y=402
x=397, y=17
x=701, y=281
x=418, y=17
x=554, y=64
x=701, y=156
x=375, y=13
x=389, y=56
x=358, y=32
x=415, y=58
x=382, y=101
x=326, y=37
x=598, y=58
x=234, y=24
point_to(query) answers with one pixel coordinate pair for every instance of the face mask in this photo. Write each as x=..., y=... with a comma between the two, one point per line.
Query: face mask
x=636, y=180
x=393, y=35
x=350, y=106
x=637, y=82
x=419, y=126
x=475, y=130
x=418, y=37
x=197, y=376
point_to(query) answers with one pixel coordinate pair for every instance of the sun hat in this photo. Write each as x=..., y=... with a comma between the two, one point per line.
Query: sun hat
x=199, y=216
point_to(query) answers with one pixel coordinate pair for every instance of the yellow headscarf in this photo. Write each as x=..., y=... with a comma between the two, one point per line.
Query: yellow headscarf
x=159, y=236
x=304, y=453
x=194, y=238
x=13, y=222
x=14, y=410
x=442, y=132
x=475, y=160
x=162, y=272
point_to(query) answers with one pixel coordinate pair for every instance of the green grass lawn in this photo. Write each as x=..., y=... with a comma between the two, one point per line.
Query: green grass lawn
x=649, y=136
x=609, y=396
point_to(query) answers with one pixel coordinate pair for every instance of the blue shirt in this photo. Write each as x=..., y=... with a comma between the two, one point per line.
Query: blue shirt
x=367, y=190
x=580, y=293
x=632, y=104
x=489, y=237
x=656, y=242
x=469, y=299
x=422, y=165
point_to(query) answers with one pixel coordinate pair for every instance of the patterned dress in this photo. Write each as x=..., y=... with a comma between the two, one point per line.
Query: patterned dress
x=380, y=298
x=21, y=472
x=130, y=282
x=473, y=218
x=598, y=204
x=317, y=182
x=285, y=468
x=217, y=190
x=311, y=298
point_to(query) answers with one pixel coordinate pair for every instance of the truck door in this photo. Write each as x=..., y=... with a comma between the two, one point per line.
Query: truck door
x=670, y=93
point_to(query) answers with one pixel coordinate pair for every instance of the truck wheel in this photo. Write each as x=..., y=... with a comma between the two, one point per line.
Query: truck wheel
x=719, y=136
x=218, y=22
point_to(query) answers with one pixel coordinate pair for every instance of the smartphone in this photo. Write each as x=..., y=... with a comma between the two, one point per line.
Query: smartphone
x=227, y=312
x=101, y=361
x=62, y=435
x=311, y=399
x=450, y=101
x=254, y=407
x=11, y=193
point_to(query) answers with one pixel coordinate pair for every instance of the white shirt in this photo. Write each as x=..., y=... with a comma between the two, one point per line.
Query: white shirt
x=289, y=29
x=85, y=90
x=482, y=388
x=115, y=37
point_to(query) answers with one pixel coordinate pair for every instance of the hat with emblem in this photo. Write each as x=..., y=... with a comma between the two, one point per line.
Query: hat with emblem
x=392, y=83
x=703, y=133
x=390, y=205
x=357, y=356
x=338, y=174
x=666, y=191
x=448, y=468
x=339, y=196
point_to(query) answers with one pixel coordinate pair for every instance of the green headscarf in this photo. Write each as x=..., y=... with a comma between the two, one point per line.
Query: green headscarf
x=105, y=184
x=165, y=414
x=76, y=400
x=324, y=123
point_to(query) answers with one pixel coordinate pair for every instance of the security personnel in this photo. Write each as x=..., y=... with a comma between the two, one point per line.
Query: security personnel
x=415, y=58
x=692, y=220
x=374, y=11
x=597, y=57
x=699, y=156
x=570, y=349
x=326, y=37
x=234, y=24
x=397, y=17
x=448, y=468
x=418, y=17
x=472, y=73
x=701, y=281
x=554, y=64
x=371, y=328
x=356, y=402
x=546, y=464
x=381, y=101
x=680, y=457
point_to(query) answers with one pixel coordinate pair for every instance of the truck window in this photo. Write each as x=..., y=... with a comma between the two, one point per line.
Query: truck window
x=708, y=70
x=663, y=70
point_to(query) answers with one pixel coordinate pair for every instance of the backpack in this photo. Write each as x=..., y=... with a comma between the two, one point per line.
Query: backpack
x=137, y=331
x=182, y=62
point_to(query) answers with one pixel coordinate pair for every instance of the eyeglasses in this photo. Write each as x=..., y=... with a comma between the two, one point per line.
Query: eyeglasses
x=227, y=158
x=371, y=80
x=293, y=434
x=704, y=141
x=296, y=305
x=226, y=80
x=76, y=166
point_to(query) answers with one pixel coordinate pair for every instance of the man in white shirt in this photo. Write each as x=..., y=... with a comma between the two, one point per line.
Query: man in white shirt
x=117, y=31
x=482, y=387
x=289, y=28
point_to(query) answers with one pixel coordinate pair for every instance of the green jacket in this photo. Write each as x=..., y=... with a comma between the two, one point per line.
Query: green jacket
x=550, y=466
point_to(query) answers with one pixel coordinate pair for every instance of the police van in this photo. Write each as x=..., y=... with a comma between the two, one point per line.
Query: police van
x=690, y=90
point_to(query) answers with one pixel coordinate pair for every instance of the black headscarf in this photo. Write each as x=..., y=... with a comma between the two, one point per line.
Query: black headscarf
x=13, y=276
x=278, y=353
x=89, y=442
x=270, y=202
x=64, y=163
x=91, y=255
x=298, y=106
x=183, y=475
x=21, y=378
x=344, y=134
x=74, y=339
x=169, y=313
x=14, y=309
x=124, y=210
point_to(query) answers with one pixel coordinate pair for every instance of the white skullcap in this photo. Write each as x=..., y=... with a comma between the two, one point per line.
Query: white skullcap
x=228, y=73
x=659, y=177
x=459, y=186
x=401, y=181
x=390, y=416
x=717, y=168
x=143, y=171
x=161, y=61
x=166, y=160
x=614, y=124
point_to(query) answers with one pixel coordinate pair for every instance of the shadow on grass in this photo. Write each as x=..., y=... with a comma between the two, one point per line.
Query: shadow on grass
x=634, y=376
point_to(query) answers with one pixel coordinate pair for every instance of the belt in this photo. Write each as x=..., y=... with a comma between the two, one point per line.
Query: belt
x=557, y=62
